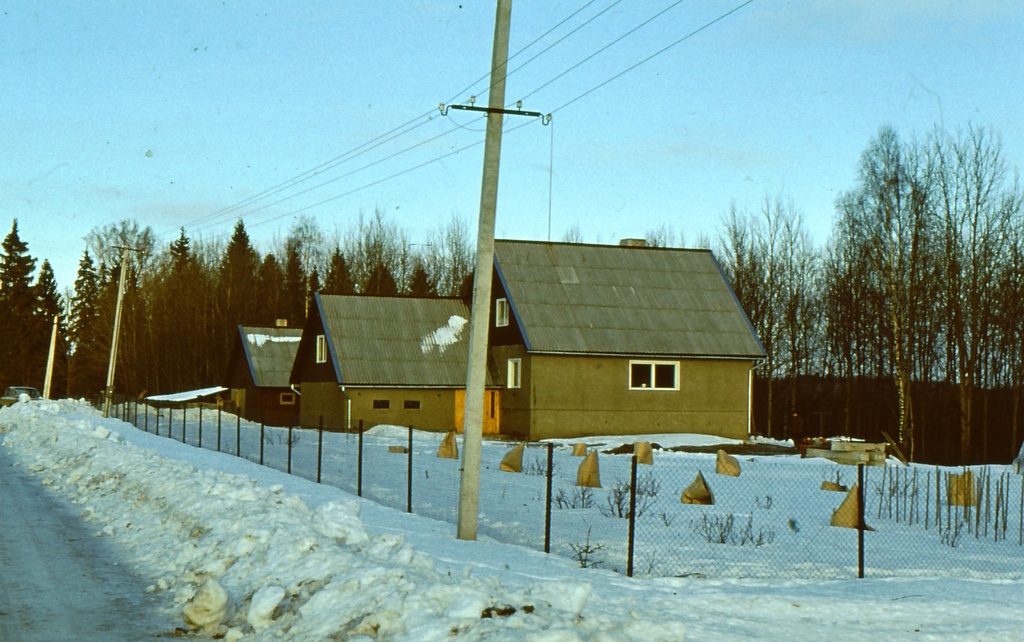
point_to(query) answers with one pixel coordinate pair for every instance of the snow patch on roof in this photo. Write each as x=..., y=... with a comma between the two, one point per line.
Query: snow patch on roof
x=259, y=339
x=445, y=336
x=189, y=395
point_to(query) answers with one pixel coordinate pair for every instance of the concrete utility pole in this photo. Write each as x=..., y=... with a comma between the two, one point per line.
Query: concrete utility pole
x=109, y=391
x=480, y=317
x=50, y=358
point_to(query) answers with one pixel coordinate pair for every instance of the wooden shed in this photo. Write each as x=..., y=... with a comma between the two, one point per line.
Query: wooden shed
x=258, y=369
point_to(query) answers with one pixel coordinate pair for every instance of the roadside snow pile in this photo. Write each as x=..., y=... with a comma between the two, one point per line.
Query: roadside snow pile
x=244, y=561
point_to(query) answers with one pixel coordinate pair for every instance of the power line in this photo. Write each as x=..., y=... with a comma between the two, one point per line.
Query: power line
x=655, y=54
x=214, y=218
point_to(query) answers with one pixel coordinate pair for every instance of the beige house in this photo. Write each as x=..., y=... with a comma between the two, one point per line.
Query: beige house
x=386, y=360
x=612, y=340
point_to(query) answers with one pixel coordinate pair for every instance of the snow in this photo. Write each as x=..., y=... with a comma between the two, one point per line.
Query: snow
x=259, y=339
x=190, y=395
x=278, y=557
x=445, y=336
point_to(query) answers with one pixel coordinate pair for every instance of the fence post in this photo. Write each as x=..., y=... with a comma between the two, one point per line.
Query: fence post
x=860, y=521
x=632, y=517
x=261, y=443
x=158, y=422
x=547, y=508
x=359, y=463
x=218, y=426
x=289, y=450
x=170, y=422
x=238, y=436
x=408, y=476
x=200, y=425
x=135, y=407
x=145, y=417
x=319, y=448
x=184, y=422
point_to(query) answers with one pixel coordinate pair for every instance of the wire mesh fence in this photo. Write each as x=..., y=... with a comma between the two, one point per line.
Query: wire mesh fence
x=682, y=514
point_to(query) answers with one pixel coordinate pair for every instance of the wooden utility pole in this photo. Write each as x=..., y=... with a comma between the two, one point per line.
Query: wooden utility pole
x=472, y=433
x=109, y=391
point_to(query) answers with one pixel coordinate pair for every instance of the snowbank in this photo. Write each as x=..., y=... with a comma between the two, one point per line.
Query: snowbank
x=225, y=549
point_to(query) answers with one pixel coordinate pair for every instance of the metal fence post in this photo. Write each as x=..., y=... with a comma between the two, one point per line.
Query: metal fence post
x=157, y=422
x=319, y=448
x=184, y=423
x=261, y=443
x=632, y=517
x=408, y=476
x=218, y=426
x=359, y=463
x=145, y=418
x=289, y=450
x=200, y=425
x=170, y=422
x=238, y=436
x=860, y=520
x=547, y=508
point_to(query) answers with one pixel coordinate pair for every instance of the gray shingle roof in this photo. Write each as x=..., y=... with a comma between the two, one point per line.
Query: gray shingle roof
x=398, y=341
x=604, y=299
x=270, y=353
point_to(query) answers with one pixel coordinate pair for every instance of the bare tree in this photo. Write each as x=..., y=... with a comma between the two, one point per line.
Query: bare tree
x=376, y=244
x=888, y=212
x=448, y=257
x=976, y=227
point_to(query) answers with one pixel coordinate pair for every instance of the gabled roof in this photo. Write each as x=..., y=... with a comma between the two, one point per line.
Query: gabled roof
x=605, y=299
x=397, y=341
x=270, y=353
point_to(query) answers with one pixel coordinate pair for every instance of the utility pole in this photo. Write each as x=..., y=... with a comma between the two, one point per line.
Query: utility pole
x=109, y=391
x=480, y=316
x=50, y=358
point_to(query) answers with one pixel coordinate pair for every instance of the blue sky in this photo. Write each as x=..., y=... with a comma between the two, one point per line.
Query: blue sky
x=169, y=113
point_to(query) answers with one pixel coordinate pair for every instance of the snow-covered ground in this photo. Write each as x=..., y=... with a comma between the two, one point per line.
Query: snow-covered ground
x=257, y=554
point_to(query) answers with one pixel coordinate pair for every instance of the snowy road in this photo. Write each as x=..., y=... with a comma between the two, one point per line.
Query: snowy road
x=57, y=581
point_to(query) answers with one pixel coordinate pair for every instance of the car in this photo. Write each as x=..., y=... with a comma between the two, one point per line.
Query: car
x=13, y=394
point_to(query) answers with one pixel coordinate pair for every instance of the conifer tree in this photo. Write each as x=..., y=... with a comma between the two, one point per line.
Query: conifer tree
x=19, y=323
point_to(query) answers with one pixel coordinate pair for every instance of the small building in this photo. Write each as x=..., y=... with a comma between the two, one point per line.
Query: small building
x=386, y=360
x=618, y=340
x=257, y=374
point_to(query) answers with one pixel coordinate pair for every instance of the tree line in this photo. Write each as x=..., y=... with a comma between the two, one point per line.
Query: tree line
x=906, y=320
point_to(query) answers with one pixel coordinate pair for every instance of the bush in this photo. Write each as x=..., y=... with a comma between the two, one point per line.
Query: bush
x=722, y=530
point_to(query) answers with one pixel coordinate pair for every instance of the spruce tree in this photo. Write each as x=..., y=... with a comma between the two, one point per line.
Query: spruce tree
x=87, y=360
x=19, y=323
x=338, y=279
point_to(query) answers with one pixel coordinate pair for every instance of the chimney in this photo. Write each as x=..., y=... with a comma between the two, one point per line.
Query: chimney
x=632, y=243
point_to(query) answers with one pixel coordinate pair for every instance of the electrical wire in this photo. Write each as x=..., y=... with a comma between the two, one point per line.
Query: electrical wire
x=309, y=174
x=213, y=219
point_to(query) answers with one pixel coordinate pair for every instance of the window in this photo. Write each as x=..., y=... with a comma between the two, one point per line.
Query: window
x=412, y=404
x=321, y=348
x=654, y=375
x=381, y=404
x=287, y=399
x=515, y=373
x=501, y=313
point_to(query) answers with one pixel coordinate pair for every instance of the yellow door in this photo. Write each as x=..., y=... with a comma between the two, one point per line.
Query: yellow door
x=492, y=411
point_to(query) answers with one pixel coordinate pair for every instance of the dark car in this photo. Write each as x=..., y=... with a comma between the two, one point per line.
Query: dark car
x=13, y=394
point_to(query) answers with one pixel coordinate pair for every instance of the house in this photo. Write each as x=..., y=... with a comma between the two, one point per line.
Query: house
x=257, y=374
x=612, y=340
x=386, y=360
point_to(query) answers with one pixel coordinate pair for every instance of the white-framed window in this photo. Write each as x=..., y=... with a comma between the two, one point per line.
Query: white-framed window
x=501, y=313
x=287, y=399
x=515, y=373
x=654, y=375
x=321, y=348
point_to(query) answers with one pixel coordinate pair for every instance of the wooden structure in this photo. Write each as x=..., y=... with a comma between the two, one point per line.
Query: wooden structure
x=257, y=374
